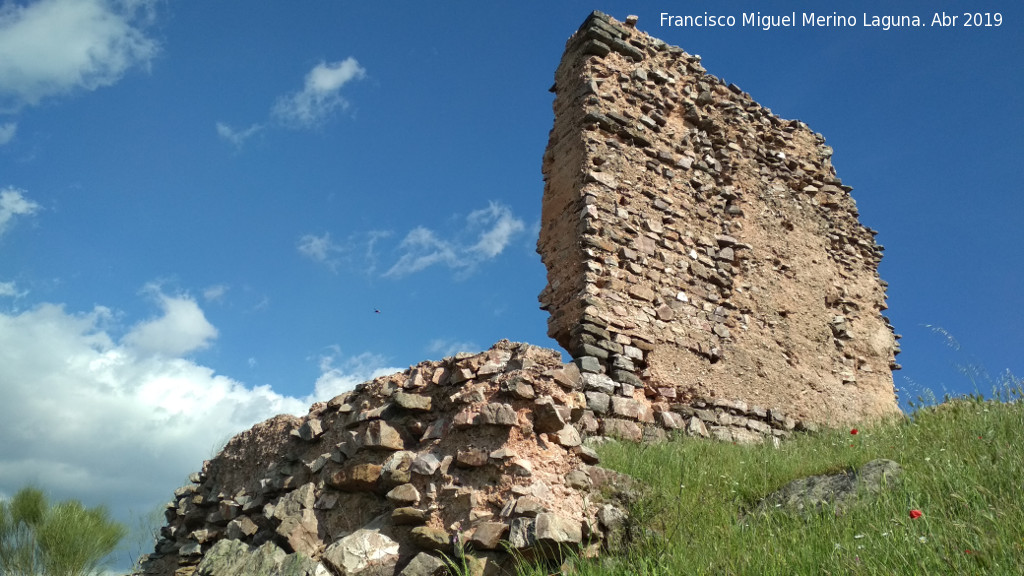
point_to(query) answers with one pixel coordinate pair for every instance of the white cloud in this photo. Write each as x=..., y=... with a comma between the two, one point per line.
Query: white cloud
x=353, y=370
x=370, y=254
x=10, y=290
x=182, y=328
x=317, y=248
x=503, y=226
x=237, y=137
x=90, y=416
x=310, y=107
x=321, y=249
x=320, y=96
x=422, y=249
x=13, y=203
x=7, y=132
x=445, y=347
x=493, y=227
x=357, y=250
x=53, y=47
x=215, y=293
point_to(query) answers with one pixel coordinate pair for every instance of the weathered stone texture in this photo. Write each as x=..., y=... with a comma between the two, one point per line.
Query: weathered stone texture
x=696, y=242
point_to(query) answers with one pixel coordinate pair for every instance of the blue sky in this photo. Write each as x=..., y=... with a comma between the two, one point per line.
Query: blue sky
x=203, y=205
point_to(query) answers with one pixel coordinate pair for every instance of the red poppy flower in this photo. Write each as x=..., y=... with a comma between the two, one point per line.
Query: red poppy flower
x=915, y=514
x=854, y=431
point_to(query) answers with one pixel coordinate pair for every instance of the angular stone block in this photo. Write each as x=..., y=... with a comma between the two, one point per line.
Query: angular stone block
x=413, y=402
x=623, y=429
x=424, y=564
x=356, y=478
x=558, y=530
x=381, y=435
x=488, y=535
x=362, y=550
x=497, y=414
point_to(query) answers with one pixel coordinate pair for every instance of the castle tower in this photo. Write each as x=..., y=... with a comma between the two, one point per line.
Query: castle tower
x=699, y=246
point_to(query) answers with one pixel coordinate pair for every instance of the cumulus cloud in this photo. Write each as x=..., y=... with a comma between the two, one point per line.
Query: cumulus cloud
x=181, y=328
x=493, y=228
x=89, y=415
x=14, y=203
x=320, y=96
x=7, y=132
x=237, y=137
x=54, y=47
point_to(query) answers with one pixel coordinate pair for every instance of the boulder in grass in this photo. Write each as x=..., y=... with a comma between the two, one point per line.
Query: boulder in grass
x=835, y=492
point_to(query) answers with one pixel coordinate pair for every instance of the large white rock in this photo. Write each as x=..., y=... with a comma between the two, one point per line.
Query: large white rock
x=361, y=552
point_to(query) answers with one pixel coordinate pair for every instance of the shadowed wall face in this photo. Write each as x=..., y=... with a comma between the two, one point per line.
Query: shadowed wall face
x=699, y=246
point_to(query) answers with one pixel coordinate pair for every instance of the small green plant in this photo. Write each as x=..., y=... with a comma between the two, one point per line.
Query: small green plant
x=65, y=539
x=458, y=564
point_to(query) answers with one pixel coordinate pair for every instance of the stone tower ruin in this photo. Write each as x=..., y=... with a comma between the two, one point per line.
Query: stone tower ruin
x=698, y=246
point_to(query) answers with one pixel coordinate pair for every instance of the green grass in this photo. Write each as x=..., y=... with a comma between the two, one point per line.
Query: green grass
x=963, y=464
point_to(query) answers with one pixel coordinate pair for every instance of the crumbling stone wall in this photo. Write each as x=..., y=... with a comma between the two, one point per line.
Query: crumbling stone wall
x=699, y=246
x=471, y=453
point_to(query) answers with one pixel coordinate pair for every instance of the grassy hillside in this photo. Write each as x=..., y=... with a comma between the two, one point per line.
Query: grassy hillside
x=963, y=466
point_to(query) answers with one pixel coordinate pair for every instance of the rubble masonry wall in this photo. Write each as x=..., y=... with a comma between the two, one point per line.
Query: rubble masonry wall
x=696, y=243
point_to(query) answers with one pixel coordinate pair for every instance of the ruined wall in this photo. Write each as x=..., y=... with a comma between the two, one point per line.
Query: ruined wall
x=699, y=246
x=473, y=452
